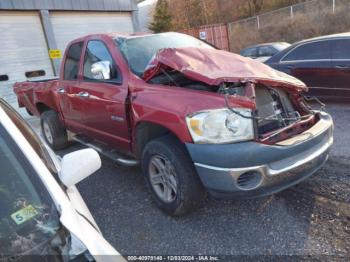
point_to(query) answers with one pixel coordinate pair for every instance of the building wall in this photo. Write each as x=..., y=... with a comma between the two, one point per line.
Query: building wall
x=20, y=49
x=82, y=5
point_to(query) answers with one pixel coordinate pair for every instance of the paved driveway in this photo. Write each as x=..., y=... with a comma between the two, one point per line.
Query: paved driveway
x=310, y=218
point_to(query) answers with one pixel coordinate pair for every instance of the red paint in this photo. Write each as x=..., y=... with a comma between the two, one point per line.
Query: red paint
x=213, y=67
x=287, y=132
x=135, y=101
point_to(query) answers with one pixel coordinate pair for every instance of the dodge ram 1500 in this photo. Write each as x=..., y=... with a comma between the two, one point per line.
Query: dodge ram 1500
x=196, y=118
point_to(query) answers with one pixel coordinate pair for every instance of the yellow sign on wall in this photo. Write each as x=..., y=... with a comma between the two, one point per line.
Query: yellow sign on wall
x=55, y=53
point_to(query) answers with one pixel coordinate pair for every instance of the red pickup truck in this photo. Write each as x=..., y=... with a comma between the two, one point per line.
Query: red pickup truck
x=198, y=119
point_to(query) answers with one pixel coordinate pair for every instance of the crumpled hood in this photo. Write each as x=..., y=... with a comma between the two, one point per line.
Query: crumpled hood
x=213, y=67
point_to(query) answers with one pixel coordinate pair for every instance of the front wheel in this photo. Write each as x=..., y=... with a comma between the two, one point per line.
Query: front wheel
x=53, y=130
x=171, y=176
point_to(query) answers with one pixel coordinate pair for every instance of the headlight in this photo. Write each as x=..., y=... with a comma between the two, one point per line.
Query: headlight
x=220, y=126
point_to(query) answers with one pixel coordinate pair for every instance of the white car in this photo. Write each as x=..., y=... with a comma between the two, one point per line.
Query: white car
x=41, y=210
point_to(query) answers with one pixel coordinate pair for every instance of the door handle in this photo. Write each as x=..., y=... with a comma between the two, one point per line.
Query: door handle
x=290, y=67
x=84, y=94
x=341, y=67
x=61, y=90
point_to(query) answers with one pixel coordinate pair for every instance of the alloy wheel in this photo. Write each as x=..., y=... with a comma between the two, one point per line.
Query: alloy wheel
x=163, y=178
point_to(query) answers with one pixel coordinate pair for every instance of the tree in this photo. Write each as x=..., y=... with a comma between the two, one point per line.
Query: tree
x=195, y=13
x=255, y=6
x=161, y=17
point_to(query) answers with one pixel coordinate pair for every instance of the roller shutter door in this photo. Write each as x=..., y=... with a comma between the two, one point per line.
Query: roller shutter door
x=22, y=49
x=70, y=25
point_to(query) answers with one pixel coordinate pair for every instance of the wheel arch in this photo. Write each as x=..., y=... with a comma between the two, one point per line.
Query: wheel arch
x=146, y=131
x=42, y=107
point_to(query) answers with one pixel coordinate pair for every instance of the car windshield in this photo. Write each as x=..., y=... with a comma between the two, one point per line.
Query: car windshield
x=139, y=51
x=281, y=46
x=28, y=216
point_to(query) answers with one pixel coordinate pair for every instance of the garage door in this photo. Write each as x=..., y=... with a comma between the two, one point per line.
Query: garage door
x=23, y=51
x=70, y=25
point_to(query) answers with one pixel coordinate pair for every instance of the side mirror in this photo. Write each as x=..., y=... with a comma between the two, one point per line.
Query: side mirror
x=101, y=70
x=79, y=165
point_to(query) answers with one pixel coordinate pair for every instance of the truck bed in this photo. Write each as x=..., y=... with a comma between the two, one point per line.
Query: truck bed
x=31, y=94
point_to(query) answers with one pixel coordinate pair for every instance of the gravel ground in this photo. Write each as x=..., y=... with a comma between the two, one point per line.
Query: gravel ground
x=312, y=218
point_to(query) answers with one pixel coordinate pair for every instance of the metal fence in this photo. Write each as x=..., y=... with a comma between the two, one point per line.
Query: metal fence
x=233, y=36
x=289, y=12
x=269, y=26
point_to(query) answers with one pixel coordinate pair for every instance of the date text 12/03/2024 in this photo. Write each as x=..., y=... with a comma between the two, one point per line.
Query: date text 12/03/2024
x=173, y=258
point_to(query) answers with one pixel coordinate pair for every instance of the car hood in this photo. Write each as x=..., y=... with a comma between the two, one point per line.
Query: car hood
x=213, y=67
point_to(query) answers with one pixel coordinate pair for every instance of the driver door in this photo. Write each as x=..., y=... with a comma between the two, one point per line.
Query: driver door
x=103, y=94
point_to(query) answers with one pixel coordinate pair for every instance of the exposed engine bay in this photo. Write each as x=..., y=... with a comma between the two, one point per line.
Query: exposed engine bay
x=275, y=109
x=175, y=78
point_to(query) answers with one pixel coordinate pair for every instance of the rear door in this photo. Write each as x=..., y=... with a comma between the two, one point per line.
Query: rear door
x=311, y=63
x=104, y=99
x=71, y=107
x=341, y=67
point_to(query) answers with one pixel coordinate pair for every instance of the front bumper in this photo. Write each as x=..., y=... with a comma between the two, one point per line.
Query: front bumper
x=251, y=169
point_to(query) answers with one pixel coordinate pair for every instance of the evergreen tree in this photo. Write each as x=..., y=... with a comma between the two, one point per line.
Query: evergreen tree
x=161, y=17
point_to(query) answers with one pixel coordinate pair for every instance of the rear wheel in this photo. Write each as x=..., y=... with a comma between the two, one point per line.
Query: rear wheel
x=53, y=130
x=171, y=176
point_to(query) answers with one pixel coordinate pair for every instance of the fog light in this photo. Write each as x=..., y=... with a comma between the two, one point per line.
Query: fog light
x=249, y=180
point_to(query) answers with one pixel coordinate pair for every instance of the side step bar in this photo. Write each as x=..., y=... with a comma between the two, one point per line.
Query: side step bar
x=106, y=151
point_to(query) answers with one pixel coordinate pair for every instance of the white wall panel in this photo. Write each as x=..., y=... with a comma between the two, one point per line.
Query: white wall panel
x=22, y=48
x=70, y=25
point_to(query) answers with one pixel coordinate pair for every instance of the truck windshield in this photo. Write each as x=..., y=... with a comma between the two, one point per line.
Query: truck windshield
x=139, y=51
x=28, y=216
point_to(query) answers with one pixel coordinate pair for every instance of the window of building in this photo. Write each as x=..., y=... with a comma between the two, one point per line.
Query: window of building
x=4, y=77
x=35, y=73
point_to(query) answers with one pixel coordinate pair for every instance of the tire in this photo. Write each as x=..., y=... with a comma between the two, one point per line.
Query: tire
x=54, y=132
x=189, y=190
